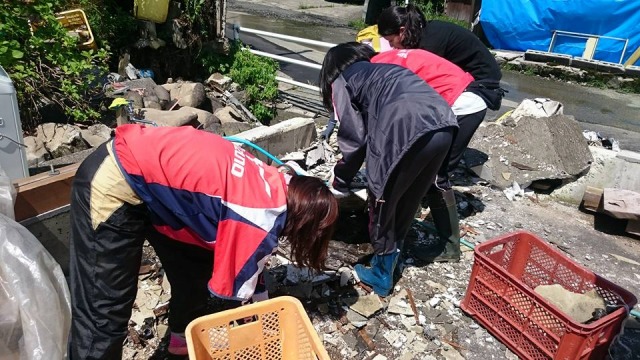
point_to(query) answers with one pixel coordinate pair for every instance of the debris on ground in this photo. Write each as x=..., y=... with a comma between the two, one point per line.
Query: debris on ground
x=595, y=139
x=422, y=318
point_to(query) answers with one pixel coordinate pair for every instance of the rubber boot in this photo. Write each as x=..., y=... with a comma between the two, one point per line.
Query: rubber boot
x=445, y=218
x=380, y=275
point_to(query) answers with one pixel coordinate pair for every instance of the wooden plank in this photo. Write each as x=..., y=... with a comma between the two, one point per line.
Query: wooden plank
x=592, y=198
x=634, y=57
x=622, y=204
x=44, y=192
x=590, y=48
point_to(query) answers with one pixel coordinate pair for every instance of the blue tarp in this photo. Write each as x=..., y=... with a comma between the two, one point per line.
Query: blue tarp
x=529, y=24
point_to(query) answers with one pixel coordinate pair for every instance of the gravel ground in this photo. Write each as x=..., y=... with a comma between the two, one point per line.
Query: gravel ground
x=438, y=329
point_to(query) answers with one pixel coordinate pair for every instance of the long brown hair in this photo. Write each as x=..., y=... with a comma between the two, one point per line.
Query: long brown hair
x=311, y=214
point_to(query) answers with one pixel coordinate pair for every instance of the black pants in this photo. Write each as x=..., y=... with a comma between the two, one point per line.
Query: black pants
x=108, y=227
x=468, y=125
x=390, y=219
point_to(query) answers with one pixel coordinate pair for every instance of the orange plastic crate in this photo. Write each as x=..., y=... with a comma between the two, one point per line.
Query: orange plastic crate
x=279, y=329
x=501, y=297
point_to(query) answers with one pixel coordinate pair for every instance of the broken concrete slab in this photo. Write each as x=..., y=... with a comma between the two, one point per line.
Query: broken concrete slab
x=284, y=137
x=534, y=149
x=399, y=304
x=622, y=204
x=365, y=305
x=60, y=139
x=96, y=134
x=607, y=171
x=579, y=307
x=356, y=319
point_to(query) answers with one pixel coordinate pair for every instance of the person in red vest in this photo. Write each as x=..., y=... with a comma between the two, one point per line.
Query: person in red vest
x=213, y=213
x=406, y=27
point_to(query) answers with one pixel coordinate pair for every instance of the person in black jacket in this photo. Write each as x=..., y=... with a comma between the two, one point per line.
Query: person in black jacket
x=407, y=28
x=393, y=120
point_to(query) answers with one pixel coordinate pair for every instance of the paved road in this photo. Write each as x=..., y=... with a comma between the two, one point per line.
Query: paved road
x=611, y=113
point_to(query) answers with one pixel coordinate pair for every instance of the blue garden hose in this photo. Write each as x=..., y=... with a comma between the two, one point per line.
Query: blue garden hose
x=261, y=150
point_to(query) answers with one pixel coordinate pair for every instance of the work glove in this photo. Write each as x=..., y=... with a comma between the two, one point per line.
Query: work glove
x=337, y=191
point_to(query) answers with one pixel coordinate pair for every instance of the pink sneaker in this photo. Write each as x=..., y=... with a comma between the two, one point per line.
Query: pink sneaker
x=178, y=344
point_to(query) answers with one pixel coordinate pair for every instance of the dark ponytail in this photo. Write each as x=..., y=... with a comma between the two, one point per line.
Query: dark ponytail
x=411, y=18
x=335, y=61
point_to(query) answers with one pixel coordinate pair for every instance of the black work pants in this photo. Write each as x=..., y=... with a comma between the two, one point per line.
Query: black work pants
x=468, y=124
x=391, y=217
x=108, y=227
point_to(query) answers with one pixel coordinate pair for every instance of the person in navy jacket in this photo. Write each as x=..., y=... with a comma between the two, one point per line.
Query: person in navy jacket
x=402, y=128
x=213, y=213
x=406, y=27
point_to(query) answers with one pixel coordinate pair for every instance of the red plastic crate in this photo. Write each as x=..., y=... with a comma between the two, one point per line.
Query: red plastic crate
x=500, y=296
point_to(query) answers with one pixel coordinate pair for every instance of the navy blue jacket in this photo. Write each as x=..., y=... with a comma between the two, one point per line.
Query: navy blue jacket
x=383, y=109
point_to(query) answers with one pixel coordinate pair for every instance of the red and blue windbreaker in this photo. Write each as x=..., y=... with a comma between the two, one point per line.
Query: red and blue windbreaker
x=202, y=189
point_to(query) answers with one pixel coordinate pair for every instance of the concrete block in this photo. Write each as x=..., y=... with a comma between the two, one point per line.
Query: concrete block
x=607, y=171
x=630, y=156
x=544, y=56
x=532, y=149
x=613, y=68
x=583, y=63
x=281, y=138
x=632, y=70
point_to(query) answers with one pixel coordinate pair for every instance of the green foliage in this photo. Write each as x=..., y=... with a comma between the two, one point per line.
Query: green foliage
x=198, y=20
x=357, y=24
x=46, y=66
x=255, y=74
x=434, y=10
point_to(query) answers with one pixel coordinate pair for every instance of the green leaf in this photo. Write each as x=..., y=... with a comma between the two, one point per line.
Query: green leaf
x=17, y=54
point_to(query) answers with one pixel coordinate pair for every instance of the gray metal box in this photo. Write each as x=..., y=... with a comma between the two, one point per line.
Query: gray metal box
x=13, y=157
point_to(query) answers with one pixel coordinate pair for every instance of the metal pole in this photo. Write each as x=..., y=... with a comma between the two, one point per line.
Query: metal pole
x=288, y=60
x=624, y=50
x=286, y=37
x=298, y=83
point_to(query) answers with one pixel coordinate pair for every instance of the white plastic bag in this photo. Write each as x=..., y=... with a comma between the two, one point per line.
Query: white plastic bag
x=7, y=195
x=35, y=310
x=538, y=108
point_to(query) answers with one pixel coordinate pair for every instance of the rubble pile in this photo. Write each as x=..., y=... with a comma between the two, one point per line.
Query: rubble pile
x=422, y=319
x=148, y=327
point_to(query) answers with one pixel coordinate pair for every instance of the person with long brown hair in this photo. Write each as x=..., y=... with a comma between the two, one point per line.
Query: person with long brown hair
x=213, y=213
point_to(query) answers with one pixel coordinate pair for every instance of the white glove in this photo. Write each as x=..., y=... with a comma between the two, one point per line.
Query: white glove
x=337, y=193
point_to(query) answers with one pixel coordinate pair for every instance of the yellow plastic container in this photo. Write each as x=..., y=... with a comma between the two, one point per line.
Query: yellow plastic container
x=276, y=329
x=369, y=35
x=151, y=10
x=76, y=23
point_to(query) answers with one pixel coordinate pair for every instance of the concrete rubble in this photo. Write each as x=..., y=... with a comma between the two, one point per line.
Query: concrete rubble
x=509, y=151
x=422, y=319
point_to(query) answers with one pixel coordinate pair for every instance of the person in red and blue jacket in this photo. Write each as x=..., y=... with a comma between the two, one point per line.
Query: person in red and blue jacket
x=213, y=213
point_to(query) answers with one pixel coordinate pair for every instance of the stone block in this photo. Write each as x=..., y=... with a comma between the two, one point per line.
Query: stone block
x=608, y=170
x=544, y=56
x=549, y=148
x=284, y=137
